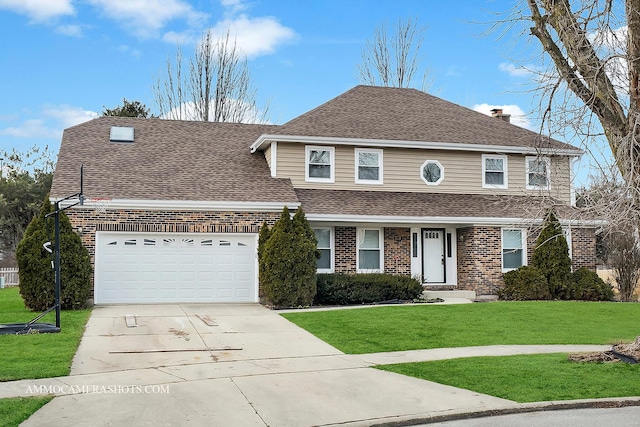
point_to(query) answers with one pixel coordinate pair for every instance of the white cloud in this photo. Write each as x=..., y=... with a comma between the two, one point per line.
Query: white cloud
x=255, y=36
x=52, y=121
x=518, y=71
x=146, y=18
x=234, y=6
x=34, y=128
x=69, y=30
x=68, y=115
x=518, y=116
x=39, y=10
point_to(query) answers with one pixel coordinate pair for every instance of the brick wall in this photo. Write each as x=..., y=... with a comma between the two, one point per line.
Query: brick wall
x=397, y=250
x=345, y=249
x=480, y=255
x=583, y=248
x=480, y=259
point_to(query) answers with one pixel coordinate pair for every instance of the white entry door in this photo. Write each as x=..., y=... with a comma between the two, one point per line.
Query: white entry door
x=174, y=267
x=433, y=255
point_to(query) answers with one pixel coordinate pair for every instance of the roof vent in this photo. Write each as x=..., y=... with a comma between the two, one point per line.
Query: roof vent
x=121, y=134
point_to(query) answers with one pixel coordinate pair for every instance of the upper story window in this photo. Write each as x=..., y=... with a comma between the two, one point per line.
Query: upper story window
x=494, y=171
x=368, y=166
x=432, y=172
x=320, y=164
x=538, y=173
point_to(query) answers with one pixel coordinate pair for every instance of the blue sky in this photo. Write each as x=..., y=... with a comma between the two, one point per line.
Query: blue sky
x=63, y=61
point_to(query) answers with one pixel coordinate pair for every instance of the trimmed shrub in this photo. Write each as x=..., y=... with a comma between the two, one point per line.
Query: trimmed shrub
x=288, y=262
x=263, y=237
x=551, y=257
x=37, y=281
x=343, y=289
x=524, y=284
x=588, y=286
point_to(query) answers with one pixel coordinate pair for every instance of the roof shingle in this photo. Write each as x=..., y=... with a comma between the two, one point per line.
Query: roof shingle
x=383, y=113
x=169, y=160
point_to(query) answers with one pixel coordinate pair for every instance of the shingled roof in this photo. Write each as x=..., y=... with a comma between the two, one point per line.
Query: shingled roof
x=344, y=203
x=383, y=113
x=169, y=160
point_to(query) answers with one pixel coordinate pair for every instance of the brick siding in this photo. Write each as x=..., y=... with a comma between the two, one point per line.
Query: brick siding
x=583, y=247
x=480, y=259
x=397, y=250
x=345, y=249
x=479, y=249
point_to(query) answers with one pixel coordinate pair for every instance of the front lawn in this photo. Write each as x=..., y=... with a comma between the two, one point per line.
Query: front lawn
x=529, y=378
x=424, y=326
x=15, y=411
x=37, y=355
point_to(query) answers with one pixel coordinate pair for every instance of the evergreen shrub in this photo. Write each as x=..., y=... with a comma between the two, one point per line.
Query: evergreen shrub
x=588, y=286
x=524, y=284
x=287, y=259
x=37, y=281
x=344, y=289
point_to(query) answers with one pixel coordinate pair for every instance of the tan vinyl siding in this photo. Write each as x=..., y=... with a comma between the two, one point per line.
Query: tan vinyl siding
x=402, y=168
x=267, y=156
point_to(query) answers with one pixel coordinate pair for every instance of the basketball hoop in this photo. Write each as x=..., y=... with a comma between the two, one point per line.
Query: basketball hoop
x=99, y=204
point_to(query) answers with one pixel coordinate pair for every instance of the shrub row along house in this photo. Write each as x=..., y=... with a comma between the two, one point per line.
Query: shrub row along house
x=392, y=180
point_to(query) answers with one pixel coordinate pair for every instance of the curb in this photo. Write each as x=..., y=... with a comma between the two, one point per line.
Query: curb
x=520, y=409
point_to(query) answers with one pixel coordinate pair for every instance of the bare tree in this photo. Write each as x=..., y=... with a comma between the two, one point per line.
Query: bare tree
x=393, y=60
x=216, y=88
x=608, y=198
x=592, y=84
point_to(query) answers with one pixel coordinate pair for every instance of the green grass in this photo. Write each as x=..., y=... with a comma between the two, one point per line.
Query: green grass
x=15, y=411
x=380, y=329
x=529, y=378
x=37, y=355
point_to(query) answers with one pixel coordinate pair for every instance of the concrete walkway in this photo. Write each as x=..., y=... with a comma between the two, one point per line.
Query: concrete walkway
x=240, y=365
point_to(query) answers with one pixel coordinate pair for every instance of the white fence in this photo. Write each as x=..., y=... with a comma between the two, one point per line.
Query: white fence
x=10, y=276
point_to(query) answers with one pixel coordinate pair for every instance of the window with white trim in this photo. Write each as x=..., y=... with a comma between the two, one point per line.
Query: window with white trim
x=494, y=171
x=370, y=250
x=538, y=173
x=324, y=264
x=319, y=164
x=368, y=166
x=432, y=172
x=514, y=248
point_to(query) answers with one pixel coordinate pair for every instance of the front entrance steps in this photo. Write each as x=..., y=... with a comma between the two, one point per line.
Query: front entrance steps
x=470, y=295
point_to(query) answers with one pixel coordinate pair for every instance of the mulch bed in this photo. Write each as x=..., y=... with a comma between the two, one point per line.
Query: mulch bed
x=629, y=353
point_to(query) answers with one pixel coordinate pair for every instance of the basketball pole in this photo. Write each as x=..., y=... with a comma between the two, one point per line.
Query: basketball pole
x=56, y=221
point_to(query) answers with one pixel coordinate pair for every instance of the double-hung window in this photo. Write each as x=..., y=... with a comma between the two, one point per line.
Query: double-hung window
x=368, y=166
x=514, y=252
x=320, y=164
x=538, y=173
x=370, y=241
x=324, y=236
x=494, y=171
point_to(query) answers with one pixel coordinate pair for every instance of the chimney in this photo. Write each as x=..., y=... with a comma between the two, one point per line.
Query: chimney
x=497, y=112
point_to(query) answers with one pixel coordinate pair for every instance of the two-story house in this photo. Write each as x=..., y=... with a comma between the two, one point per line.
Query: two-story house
x=392, y=180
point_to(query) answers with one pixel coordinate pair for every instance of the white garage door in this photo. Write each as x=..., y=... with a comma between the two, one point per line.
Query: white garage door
x=174, y=267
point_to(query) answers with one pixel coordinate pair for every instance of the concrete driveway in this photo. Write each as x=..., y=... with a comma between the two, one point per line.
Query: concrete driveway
x=229, y=365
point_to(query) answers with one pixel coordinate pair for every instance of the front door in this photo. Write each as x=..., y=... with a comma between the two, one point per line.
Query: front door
x=433, y=264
